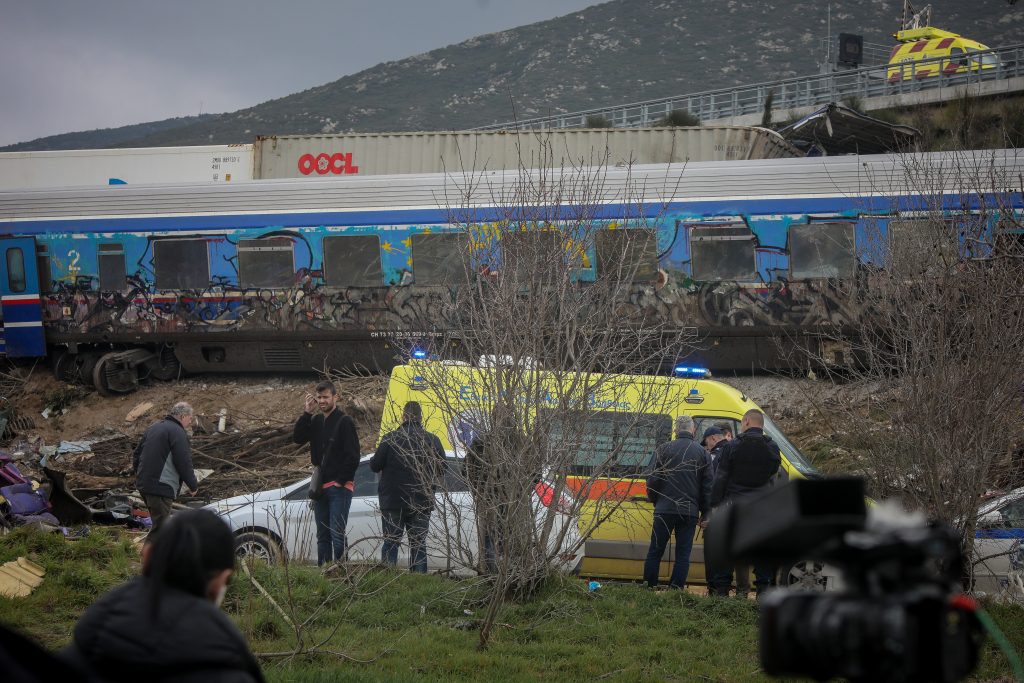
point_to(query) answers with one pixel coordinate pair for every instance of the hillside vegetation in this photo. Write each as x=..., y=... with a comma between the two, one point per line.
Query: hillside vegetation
x=611, y=53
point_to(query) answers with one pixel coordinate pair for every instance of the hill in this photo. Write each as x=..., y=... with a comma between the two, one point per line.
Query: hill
x=611, y=53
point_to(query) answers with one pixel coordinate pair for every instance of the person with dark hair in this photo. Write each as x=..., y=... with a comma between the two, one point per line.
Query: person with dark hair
x=162, y=460
x=411, y=462
x=747, y=465
x=495, y=465
x=334, y=448
x=166, y=625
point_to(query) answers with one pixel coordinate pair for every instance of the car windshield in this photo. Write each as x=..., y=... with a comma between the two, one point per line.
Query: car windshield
x=986, y=58
x=792, y=453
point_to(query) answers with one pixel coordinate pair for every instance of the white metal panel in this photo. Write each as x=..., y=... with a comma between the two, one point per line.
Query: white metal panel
x=347, y=156
x=91, y=167
x=879, y=175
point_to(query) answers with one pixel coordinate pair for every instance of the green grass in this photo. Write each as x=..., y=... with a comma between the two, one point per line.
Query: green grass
x=395, y=627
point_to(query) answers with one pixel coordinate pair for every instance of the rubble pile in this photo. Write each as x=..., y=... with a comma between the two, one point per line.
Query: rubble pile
x=79, y=456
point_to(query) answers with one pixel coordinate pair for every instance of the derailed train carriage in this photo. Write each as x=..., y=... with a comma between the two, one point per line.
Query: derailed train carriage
x=125, y=283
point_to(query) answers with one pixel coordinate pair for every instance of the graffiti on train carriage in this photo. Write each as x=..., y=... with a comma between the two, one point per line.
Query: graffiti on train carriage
x=265, y=277
x=721, y=274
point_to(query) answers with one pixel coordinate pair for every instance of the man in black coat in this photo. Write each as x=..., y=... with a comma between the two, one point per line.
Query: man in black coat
x=679, y=485
x=411, y=462
x=162, y=460
x=747, y=465
x=334, y=448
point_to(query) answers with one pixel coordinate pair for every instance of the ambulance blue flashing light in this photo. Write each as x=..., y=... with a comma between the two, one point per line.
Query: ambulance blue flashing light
x=691, y=372
x=419, y=354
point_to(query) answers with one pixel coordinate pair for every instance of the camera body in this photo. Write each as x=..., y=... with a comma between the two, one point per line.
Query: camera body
x=901, y=616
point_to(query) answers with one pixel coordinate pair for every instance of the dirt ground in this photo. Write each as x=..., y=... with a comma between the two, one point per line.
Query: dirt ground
x=255, y=451
x=247, y=400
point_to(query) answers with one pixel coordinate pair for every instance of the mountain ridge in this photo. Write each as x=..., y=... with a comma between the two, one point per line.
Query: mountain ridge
x=606, y=54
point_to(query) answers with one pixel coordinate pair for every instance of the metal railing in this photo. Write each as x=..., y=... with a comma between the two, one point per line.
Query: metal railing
x=795, y=93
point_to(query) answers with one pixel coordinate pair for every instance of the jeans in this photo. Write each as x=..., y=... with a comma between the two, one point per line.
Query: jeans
x=665, y=524
x=720, y=581
x=331, y=514
x=413, y=522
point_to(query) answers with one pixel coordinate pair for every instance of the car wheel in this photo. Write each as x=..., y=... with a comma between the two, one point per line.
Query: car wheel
x=807, y=575
x=257, y=546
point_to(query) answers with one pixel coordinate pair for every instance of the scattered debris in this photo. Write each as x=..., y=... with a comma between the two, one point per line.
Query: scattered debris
x=138, y=411
x=18, y=578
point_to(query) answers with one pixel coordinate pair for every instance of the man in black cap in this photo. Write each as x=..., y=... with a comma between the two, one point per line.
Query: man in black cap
x=715, y=438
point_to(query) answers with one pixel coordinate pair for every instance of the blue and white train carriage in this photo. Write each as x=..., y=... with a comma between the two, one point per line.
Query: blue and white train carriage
x=123, y=283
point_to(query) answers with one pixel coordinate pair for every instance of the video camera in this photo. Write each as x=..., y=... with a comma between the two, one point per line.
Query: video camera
x=901, y=615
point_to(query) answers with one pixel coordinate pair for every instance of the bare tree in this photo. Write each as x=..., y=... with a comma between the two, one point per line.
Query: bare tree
x=533, y=364
x=940, y=333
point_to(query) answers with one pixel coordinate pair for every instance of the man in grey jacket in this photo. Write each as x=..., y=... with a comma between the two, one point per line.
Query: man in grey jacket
x=162, y=460
x=679, y=484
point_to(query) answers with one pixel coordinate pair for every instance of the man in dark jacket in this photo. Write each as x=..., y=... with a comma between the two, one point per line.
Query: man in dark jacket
x=411, y=462
x=162, y=460
x=679, y=484
x=748, y=465
x=334, y=448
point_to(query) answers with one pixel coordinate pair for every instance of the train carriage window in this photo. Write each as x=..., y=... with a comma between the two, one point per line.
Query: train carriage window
x=1009, y=240
x=181, y=263
x=113, y=276
x=353, y=261
x=628, y=254
x=267, y=262
x=440, y=258
x=528, y=255
x=43, y=268
x=822, y=250
x=723, y=252
x=916, y=246
x=16, y=280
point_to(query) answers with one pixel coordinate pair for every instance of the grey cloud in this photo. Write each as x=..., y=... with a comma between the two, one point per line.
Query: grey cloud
x=83, y=65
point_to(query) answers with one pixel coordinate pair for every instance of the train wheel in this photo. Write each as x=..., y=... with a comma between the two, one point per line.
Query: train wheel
x=99, y=376
x=62, y=364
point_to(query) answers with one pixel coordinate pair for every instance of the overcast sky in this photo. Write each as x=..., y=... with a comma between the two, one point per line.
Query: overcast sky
x=71, y=65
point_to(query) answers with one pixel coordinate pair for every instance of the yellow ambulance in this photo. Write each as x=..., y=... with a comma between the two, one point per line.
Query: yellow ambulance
x=929, y=43
x=617, y=546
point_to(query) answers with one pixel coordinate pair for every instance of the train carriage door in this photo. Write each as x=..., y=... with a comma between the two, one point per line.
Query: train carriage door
x=19, y=296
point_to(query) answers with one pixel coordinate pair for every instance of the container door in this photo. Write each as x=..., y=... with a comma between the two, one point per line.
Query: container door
x=19, y=294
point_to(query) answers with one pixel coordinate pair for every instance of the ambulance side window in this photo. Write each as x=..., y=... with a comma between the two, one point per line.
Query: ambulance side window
x=705, y=421
x=956, y=55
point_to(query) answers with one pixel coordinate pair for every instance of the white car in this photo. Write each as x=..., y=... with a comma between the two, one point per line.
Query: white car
x=998, y=551
x=279, y=523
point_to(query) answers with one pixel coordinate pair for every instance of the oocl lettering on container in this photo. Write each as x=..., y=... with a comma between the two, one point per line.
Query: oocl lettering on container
x=323, y=164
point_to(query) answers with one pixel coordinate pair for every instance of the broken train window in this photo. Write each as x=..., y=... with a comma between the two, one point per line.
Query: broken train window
x=628, y=254
x=822, y=250
x=723, y=252
x=352, y=261
x=440, y=258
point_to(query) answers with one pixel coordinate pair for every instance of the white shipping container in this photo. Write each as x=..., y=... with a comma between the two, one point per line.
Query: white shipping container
x=334, y=156
x=133, y=166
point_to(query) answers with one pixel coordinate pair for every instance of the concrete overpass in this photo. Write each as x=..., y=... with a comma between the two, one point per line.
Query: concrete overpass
x=744, y=105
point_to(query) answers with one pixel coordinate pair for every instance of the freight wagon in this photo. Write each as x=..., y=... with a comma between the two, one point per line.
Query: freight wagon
x=121, y=284
x=137, y=165
x=346, y=156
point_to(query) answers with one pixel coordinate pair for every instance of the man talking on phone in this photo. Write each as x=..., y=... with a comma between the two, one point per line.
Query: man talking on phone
x=334, y=448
